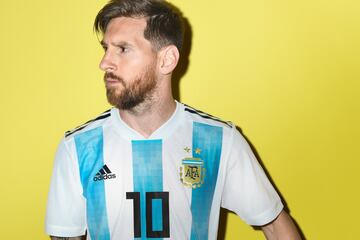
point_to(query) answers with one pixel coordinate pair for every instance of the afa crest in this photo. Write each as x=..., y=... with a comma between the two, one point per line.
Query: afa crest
x=192, y=172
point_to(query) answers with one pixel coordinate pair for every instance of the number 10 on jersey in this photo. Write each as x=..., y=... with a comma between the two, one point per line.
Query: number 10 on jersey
x=150, y=196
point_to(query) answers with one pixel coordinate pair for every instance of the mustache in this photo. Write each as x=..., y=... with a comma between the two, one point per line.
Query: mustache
x=112, y=76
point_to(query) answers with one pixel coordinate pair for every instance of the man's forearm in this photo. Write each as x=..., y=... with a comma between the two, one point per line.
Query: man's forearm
x=67, y=238
x=282, y=228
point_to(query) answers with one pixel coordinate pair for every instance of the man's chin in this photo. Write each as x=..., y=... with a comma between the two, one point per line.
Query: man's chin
x=123, y=105
x=128, y=105
x=115, y=92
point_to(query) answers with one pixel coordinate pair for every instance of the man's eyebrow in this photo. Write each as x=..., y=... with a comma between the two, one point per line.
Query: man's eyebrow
x=118, y=44
x=121, y=44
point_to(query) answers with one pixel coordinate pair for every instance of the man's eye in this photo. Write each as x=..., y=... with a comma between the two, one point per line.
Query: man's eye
x=105, y=48
x=123, y=49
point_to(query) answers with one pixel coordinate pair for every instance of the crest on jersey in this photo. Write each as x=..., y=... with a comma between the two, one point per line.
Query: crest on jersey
x=192, y=172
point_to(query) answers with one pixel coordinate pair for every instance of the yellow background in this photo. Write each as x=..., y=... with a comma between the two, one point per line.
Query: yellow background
x=286, y=72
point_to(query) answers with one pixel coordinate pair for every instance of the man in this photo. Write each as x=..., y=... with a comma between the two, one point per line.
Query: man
x=152, y=167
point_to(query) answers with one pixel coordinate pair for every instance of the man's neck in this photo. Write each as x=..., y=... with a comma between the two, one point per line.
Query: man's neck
x=147, y=117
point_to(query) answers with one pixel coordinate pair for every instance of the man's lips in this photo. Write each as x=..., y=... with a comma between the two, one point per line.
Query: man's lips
x=111, y=82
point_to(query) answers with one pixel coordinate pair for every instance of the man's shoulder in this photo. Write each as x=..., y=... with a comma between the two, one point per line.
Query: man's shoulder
x=90, y=124
x=206, y=118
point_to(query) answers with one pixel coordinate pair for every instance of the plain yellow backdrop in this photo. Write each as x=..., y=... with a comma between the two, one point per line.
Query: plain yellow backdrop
x=286, y=72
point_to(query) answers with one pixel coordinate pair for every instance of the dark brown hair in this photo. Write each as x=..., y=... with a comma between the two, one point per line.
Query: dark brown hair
x=164, y=22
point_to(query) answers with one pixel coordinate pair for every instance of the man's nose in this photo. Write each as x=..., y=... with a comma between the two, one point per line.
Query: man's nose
x=107, y=63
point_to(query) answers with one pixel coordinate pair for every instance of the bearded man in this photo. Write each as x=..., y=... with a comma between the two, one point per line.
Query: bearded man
x=152, y=167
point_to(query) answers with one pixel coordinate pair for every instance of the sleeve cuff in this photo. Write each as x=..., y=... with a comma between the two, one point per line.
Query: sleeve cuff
x=61, y=231
x=267, y=216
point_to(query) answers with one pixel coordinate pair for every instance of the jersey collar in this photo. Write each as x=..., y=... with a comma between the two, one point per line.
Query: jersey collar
x=162, y=132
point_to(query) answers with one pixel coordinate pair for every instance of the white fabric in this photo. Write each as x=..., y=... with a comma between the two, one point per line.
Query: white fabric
x=241, y=184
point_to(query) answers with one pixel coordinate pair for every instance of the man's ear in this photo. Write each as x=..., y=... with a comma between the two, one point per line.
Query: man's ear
x=169, y=58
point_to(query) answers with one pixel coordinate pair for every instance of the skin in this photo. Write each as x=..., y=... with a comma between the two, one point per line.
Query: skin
x=282, y=228
x=128, y=56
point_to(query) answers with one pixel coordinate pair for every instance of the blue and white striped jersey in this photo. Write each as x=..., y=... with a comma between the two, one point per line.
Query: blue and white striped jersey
x=113, y=183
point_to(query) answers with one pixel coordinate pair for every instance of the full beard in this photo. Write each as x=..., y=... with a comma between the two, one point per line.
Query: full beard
x=134, y=93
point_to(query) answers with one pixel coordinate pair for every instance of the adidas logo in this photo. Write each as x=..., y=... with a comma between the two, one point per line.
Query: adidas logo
x=103, y=174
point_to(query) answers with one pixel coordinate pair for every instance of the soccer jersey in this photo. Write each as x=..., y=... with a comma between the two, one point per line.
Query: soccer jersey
x=113, y=183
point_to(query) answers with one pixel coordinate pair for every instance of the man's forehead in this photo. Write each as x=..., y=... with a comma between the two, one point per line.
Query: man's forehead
x=124, y=30
x=126, y=25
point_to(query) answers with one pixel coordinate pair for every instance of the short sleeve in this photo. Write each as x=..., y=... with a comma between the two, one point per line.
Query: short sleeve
x=247, y=190
x=65, y=214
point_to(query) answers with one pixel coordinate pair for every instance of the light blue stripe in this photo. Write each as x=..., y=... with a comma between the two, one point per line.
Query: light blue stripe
x=157, y=207
x=148, y=177
x=193, y=163
x=208, y=139
x=89, y=147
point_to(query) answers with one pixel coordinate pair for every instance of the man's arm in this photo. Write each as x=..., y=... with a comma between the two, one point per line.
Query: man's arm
x=68, y=238
x=282, y=228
